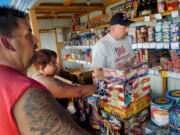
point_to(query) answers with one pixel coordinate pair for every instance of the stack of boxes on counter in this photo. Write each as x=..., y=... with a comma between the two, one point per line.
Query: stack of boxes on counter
x=123, y=100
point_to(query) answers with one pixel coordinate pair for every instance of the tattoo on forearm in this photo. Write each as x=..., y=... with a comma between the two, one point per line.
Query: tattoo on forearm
x=46, y=116
x=57, y=81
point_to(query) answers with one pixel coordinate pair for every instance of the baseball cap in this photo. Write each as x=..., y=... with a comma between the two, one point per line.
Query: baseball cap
x=120, y=18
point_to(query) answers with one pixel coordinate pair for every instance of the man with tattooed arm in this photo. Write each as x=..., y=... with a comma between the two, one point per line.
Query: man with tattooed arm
x=26, y=106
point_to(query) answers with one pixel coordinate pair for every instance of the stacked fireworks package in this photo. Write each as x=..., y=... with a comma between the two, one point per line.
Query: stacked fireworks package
x=159, y=32
x=165, y=114
x=174, y=112
x=123, y=95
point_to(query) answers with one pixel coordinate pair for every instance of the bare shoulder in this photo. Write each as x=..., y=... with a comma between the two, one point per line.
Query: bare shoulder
x=37, y=112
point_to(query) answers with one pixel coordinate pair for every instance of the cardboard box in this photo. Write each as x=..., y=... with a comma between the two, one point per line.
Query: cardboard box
x=131, y=110
x=133, y=72
x=120, y=94
x=119, y=126
x=82, y=76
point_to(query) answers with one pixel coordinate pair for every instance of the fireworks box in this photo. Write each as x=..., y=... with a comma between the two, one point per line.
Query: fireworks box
x=132, y=72
x=131, y=110
x=115, y=92
x=125, y=92
x=117, y=126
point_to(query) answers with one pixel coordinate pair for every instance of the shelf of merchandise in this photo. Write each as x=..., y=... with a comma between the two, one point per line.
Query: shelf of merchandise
x=91, y=29
x=141, y=18
x=79, y=61
x=79, y=47
x=156, y=45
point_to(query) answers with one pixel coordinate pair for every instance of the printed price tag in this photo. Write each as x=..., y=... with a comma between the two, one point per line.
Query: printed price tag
x=92, y=29
x=158, y=16
x=166, y=45
x=175, y=14
x=147, y=18
x=134, y=46
x=81, y=62
x=145, y=45
x=174, y=45
x=77, y=61
x=73, y=60
x=171, y=74
x=89, y=63
x=156, y=72
x=178, y=76
x=164, y=73
x=151, y=72
x=140, y=45
x=152, y=45
x=159, y=45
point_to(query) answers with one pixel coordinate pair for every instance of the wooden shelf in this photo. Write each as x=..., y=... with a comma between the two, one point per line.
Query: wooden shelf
x=78, y=61
x=134, y=19
x=102, y=26
x=89, y=29
x=83, y=30
x=152, y=16
x=79, y=47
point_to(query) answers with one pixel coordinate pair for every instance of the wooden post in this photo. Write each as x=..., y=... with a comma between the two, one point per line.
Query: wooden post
x=64, y=34
x=34, y=26
x=58, y=51
x=164, y=85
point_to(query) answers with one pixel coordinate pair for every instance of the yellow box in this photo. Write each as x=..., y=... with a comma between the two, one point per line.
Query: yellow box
x=132, y=109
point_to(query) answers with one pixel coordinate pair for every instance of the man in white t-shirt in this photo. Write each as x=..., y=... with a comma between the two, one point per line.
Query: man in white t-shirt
x=113, y=50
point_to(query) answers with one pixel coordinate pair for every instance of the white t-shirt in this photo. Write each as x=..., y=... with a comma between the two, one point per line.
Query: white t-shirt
x=108, y=52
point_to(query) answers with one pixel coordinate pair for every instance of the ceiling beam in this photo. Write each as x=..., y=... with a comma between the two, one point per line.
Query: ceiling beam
x=48, y=14
x=68, y=2
x=37, y=3
x=73, y=4
x=53, y=17
x=70, y=9
x=110, y=2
